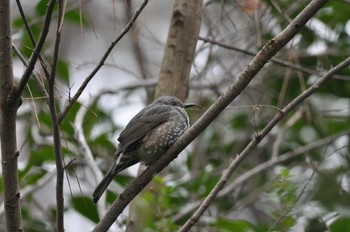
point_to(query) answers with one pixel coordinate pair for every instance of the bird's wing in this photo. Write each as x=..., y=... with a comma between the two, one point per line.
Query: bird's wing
x=144, y=122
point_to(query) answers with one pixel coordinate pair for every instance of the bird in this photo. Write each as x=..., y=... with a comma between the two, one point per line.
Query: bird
x=147, y=136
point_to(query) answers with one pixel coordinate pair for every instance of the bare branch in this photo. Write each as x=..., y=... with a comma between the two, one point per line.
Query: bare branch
x=244, y=177
x=39, y=46
x=35, y=74
x=141, y=58
x=281, y=131
x=55, y=125
x=102, y=61
x=25, y=21
x=274, y=60
x=279, y=159
x=235, y=164
x=31, y=36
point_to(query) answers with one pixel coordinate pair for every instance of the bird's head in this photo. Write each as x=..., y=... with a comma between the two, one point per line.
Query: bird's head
x=173, y=101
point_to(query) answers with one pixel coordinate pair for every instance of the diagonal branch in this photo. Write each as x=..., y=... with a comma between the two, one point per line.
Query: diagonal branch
x=25, y=21
x=238, y=160
x=35, y=74
x=102, y=61
x=244, y=177
x=274, y=60
x=31, y=36
x=278, y=160
x=267, y=52
x=36, y=52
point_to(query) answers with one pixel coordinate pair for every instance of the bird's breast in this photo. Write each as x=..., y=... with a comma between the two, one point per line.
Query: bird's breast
x=157, y=141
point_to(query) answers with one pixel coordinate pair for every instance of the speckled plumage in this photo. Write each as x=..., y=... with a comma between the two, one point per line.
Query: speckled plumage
x=147, y=136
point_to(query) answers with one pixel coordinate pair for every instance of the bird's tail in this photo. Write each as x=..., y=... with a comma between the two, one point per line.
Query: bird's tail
x=102, y=186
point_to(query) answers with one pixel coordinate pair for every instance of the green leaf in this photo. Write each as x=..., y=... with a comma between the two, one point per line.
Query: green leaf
x=17, y=23
x=63, y=70
x=75, y=16
x=227, y=225
x=240, y=121
x=284, y=172
x=42, y=6
x=32, y=177
x=340, y=225
x=85, y=207
x=26, y=43
x=41, y=155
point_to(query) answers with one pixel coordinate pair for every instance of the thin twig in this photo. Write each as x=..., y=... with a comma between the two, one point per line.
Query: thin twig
x=140, y=56
x=55, y=125
x=102, y=61
x=244, y=177
x=38, y=47
x=314, y=170
x=34, y=73
x=31, y=36
x=278, y=160
x=274, y=60
x=281, y=131
x=284, y=215
x=25, y=21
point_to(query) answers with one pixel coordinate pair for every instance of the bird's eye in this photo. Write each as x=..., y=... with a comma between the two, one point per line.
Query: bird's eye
x=173, y=103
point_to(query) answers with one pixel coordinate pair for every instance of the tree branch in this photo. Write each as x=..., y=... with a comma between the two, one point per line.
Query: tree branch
x=35, y=55
x=8, y=112
x=274, y=60
x=35, y=74
x=25, y=21
x=31, y=36
x=102, y=61
x=278, y=160
x=244, y=177
x=55, y=125
x=238, y=160
x=140, y=56
x=268, y=51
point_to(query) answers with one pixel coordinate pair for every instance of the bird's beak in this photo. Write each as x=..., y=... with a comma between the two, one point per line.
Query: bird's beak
x=188, y=105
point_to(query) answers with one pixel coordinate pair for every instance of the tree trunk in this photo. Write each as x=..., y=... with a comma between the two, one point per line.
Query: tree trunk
x=173, y=80
x=180, y=49
x=9, y=102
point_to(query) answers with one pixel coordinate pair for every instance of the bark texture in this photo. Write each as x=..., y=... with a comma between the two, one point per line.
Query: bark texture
x=9, y=102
